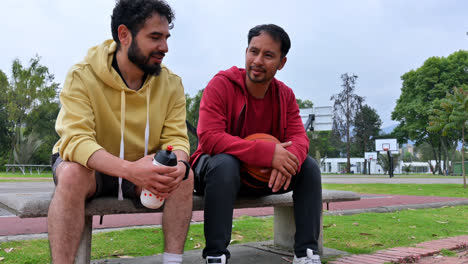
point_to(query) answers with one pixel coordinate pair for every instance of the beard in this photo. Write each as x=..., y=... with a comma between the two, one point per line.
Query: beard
x=136, y=56
x=257, y=79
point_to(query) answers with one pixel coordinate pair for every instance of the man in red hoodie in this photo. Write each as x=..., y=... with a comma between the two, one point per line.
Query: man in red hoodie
x=240, y=102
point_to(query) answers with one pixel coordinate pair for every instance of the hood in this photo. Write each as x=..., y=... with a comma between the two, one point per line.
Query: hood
x=235, y=75
x=100, y=59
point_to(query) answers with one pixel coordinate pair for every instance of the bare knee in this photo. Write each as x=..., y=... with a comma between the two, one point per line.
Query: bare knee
x=187, y=185
x=75, y=179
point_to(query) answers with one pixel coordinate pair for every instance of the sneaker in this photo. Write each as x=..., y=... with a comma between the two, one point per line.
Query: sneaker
x=216, y=260
x=309, y=259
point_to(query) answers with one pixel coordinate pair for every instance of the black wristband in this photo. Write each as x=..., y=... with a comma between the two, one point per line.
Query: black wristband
x=187, y=169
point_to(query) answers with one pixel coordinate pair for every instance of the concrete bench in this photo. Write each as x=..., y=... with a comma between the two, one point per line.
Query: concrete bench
x=36, y=205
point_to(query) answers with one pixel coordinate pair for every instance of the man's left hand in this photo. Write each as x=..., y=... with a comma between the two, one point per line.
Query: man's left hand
x=178, y=176
x=278, y=180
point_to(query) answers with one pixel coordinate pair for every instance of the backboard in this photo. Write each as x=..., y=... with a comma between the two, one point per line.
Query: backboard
x=370, y=155
x=387, y=144
x=321, y=117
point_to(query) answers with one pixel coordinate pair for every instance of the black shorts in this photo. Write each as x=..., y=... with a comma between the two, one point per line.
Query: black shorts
x=106, y=186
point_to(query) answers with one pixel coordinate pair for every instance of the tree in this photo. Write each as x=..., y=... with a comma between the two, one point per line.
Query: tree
x=367, y=125
x=424, y=151
x=30, y=89
x=193, y=108
x=45, y=129
x=322, y=142
x=383, y=161
x=304, y=103
x=420, y=90
x=407, y=168
x=5, y=125
x=408, y=157
x=346, y=105
x=26, y=147
x=452, y=116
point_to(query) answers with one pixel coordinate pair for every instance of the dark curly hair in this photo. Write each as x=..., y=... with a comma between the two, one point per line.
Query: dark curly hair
x=276, y=32
x=133, y=14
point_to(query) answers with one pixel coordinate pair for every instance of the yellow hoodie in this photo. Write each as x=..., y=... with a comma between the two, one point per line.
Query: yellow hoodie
x=95, y=99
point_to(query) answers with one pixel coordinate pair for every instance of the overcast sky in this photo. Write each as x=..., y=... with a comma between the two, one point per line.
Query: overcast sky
x=374, y=39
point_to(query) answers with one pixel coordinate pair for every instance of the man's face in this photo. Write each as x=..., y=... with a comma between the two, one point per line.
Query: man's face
x=263, y=58
x=149, y=45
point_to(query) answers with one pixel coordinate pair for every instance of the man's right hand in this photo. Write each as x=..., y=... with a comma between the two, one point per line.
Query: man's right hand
x=145, y=174
x=284, y=161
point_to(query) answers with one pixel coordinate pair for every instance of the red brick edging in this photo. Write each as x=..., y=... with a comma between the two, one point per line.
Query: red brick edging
x=406, y=254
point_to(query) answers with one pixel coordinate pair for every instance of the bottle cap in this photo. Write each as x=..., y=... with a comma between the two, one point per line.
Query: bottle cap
x=166, y=157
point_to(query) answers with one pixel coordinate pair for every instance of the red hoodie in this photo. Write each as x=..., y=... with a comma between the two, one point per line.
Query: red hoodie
x=222, y=114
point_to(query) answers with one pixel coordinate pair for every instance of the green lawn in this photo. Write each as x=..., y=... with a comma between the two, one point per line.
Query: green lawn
x=373, y=176
x=442, y=190
x=361, y=233
x=26, y=176
x=19, y=177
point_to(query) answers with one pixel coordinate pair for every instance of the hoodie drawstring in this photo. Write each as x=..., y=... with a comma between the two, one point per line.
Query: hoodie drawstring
x=122, y=128
x=147, y=120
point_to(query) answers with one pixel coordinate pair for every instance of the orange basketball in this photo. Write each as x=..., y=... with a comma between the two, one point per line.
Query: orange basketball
x=255, y=177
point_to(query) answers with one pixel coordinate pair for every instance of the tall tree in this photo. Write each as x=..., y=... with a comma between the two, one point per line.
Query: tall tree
x=192, y=108
x=420, y=89
x=5, y=125
x=30, y=88
x=452, y=117
x=367, y=124
x=346, y=105
x=45, y=129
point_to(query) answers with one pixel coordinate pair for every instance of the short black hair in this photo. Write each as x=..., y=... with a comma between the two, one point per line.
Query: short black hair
x=133, y=14
x=276, y=32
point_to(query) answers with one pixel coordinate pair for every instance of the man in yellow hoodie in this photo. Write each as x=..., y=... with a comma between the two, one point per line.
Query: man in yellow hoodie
x=119, y=105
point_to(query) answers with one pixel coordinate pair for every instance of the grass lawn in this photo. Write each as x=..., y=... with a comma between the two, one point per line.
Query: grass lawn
x=27, y=180
x=25, y=176
x=442, y=190
x=397, y=176
x=361, y=233
x=19, y=177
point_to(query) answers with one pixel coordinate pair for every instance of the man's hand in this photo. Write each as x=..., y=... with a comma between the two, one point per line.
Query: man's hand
x=277, y=180
x=161, y=180
x=284, y=161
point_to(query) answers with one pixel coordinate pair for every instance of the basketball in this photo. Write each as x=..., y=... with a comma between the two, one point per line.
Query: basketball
x=255, y=178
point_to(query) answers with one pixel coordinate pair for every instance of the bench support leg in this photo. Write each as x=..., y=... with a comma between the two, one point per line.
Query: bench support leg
x=83, y=256
x=284, y=228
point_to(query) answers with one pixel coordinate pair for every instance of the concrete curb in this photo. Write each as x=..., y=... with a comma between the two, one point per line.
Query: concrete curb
x=393, y=208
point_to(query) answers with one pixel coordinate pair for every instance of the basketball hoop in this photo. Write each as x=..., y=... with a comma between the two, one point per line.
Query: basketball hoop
x=385, y=146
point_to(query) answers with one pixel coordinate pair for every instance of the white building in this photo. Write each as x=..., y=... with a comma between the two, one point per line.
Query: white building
x=338, y=165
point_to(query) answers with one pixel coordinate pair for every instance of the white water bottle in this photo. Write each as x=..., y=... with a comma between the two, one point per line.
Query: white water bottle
x=162, y=158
